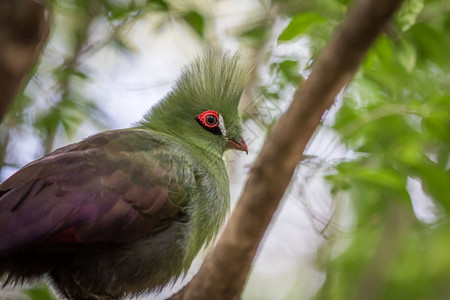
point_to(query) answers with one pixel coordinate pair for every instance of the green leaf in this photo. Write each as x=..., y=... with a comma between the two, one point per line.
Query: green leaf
x=432, y=43
x=299, y=25
x=256, y=33
x=48, y=122
x=383, y=50
x=196, y=21
x=407, y=55
x=408, y=13
x=159, y=5
x=117, y=12
x=290, y=70
x=63, y=73
x=384, y=178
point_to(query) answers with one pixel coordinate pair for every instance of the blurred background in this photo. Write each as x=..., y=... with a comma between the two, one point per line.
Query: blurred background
x=367, y=214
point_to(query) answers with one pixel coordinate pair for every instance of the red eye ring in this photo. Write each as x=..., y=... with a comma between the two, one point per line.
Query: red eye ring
x=209, y=118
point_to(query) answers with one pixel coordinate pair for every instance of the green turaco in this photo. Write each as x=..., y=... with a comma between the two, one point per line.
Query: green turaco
x=124, y=212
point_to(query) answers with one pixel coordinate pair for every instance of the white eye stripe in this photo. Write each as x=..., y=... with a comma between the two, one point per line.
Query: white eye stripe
x=222, y=125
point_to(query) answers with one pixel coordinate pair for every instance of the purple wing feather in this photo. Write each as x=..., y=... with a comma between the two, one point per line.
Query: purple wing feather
x=107, y=188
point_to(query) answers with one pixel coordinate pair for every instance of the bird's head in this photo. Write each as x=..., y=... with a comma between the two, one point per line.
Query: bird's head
x=202, y=108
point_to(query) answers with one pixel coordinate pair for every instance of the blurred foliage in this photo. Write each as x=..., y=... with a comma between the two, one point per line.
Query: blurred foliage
x=394, y=120
x=54, y=102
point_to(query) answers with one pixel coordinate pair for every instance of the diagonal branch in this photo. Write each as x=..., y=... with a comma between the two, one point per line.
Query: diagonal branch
x=224, y=272
x=24, y=28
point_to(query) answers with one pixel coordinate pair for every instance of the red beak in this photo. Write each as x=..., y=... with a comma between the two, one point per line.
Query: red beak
x=238, y=145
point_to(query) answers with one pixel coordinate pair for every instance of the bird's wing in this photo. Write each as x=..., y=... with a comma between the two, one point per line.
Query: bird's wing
x=113, y=187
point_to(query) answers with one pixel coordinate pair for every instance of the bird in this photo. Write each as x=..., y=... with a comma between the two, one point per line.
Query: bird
x=124, y=212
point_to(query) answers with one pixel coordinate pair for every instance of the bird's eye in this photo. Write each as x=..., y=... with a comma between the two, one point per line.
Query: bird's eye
x=211, y=120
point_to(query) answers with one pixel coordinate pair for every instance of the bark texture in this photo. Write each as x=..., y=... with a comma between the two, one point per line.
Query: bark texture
x=224, y=272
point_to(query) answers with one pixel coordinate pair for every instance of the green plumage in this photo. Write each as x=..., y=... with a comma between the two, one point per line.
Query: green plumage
x=126, y=211
x=213, y=82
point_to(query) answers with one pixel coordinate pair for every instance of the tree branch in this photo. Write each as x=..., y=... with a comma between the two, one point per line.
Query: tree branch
x=224, y=273
x=24, y=28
